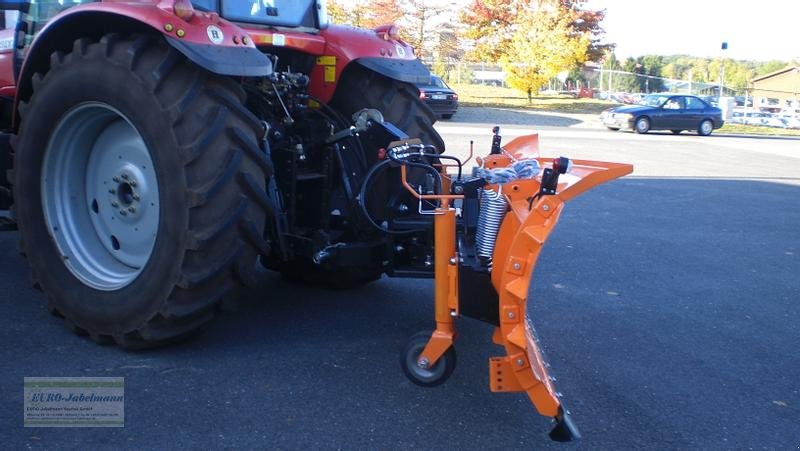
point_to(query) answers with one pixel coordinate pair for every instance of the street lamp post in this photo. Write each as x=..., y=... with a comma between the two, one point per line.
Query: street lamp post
x=722, y=69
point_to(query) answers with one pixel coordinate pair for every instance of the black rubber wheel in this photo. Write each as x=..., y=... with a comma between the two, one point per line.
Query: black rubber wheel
x=642, y=125
x=398, y=102
x=206, y=163
x=705, y=128
x=613, y=129
x=430, y=377
x=676, y=132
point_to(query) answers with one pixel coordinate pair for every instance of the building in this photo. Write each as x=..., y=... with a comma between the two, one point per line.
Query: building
x=777, y=90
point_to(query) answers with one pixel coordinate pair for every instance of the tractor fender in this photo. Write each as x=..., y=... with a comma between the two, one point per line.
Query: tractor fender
x=409, y=71
x=346, y=47
x=206, y=40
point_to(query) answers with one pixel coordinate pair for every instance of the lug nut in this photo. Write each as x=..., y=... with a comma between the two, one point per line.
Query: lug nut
x=125, y=176
x=123, y=213
x=132, y=182
x=136, y=196
x=116, y=179
x=115, y=204
x=131, y=209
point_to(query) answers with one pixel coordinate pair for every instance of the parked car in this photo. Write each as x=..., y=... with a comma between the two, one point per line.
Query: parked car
x=437, y=95
x=674, y=112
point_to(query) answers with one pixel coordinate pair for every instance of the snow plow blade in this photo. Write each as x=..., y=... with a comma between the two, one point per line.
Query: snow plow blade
x=532, y=215
x=483, y=270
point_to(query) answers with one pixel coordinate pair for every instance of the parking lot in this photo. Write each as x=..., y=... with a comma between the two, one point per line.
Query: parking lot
x=667, y=303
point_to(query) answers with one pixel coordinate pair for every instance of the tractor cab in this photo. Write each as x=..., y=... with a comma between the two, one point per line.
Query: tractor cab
x=302, y=14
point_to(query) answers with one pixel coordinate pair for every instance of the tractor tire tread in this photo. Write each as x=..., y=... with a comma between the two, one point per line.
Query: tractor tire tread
x=218, y=252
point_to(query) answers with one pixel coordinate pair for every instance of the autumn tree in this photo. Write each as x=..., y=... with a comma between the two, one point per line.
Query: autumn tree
x=381, y=12
x=543, y=44
x=337, y=12
x=419, y=20
x=586, y=22
x=489, y=25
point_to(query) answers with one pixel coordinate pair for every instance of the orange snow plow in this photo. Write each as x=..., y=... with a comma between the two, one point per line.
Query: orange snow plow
x=488, y=235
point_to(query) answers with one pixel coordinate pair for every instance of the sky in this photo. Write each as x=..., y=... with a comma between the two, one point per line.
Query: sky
x=754, y=30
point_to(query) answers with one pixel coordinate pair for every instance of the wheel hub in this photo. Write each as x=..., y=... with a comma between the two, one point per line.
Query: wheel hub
x=100, y=196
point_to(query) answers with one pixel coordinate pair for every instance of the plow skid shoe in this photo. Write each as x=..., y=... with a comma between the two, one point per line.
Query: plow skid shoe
x=524, y=230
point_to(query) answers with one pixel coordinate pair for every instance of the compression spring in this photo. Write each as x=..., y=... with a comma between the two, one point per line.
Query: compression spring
x=493, y=209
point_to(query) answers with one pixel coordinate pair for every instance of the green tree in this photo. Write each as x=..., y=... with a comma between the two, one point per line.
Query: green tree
x=543, y=44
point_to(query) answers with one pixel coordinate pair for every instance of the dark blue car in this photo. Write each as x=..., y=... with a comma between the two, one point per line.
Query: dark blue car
x=674, y=112
x=437, y=95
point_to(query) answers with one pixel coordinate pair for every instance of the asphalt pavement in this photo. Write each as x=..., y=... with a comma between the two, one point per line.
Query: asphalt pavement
x=667, y=303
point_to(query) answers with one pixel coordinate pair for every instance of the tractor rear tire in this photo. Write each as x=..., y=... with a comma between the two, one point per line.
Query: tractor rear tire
x=399, y=103
x=130, y=166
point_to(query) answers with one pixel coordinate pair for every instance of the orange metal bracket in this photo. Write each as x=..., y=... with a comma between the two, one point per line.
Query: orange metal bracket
x=445, y=274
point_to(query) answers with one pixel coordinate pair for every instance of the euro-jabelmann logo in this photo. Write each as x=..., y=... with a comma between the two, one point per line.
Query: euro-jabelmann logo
x=74, y=402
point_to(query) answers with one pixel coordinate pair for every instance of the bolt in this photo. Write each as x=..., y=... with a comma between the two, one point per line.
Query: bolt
x=132, y=182
x=423, y=363
x=131, y=209
x=520, y=362
x=453, y=313
x=511, y=315
x=546, y=207
x=517, y=266
x=116, y=179
x=125, y=176
x=399, y=248
x=136, y=196
x=114, y=204
x=458, y=189
x=452, y=260
x=123, y=213
x=402, y=208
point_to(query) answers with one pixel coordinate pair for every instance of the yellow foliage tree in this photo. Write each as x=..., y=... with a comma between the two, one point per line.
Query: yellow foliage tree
x=338, y=12
x=543, y=44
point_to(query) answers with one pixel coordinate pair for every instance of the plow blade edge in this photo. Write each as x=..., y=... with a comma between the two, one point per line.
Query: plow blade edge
x=522, y=235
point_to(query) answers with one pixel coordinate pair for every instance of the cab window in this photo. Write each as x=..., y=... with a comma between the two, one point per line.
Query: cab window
x=674, y=103
x=694, y=103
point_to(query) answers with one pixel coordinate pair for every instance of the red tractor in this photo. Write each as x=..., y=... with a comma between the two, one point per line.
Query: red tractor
x=155, y=151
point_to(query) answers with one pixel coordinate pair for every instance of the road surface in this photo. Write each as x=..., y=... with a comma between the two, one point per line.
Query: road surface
x=667, y=303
